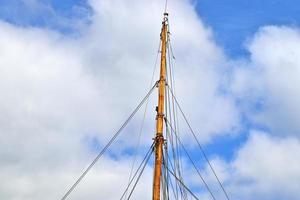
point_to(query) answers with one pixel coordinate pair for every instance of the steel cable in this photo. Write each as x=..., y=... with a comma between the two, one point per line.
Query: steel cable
x=142, y=170
x=200, y=146
x=143, y=119
x=149, y=152
x=108, y=144
x=193, y=163
x=181, y=183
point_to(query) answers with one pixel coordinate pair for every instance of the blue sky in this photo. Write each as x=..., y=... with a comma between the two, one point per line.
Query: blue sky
x=232, y=21
x=53, y=14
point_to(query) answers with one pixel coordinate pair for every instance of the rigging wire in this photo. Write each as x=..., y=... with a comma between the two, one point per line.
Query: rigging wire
x=148, y=154
x=180, y=181
x=166, y=5
x=139, y=176
x=170, y=137
x=108, y=144
x=174, y=152
x=144, y=116
x=199, y=145
x=174, y=111
x=169, y=162
x=190, y=158
x=168, y=110
x=172, y=187
x=172, y=84
x=166, y=177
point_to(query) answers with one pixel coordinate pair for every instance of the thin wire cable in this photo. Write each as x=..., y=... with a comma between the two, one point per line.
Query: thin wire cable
x=166, y=177
x=193, y=163
x=181, y=183
x=169, y=114
x=149, y=152
x=170, y=138
x=173, y=112
x=172, y=187
x=138, y=178
x=175, y=152
x=144, y=116
x=108, y=144
x=166, y=5
x=175, y=116
x=200, y=146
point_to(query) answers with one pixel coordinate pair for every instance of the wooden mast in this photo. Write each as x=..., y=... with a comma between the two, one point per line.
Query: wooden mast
x=159, y=139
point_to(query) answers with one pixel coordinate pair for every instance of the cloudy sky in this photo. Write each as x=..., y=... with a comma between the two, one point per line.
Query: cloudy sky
x=71, y=72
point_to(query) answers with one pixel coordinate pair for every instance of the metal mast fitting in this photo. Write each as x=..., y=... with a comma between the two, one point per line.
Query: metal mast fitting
x=159, y=139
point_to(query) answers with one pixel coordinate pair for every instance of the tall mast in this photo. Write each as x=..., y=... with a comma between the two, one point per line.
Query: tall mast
x=159, y=139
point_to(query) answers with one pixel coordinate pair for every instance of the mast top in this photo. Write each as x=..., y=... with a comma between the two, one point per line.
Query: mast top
x=165, y=19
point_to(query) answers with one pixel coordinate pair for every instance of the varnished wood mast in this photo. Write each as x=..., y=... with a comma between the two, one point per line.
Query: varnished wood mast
x=159, y=139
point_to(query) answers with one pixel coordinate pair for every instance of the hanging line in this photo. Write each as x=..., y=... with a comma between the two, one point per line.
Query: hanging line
x=166, y=5
x=199, y=145
x=108, y=144
x=191, y=160
x=180, y=181
x=144, y=161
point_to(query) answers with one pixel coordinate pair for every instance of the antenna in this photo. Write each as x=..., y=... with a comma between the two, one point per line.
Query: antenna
x=166, y=5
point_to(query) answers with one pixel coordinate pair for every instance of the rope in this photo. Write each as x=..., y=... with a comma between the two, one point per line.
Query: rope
x=138, y=178
x=108, y=144
x=181, y=183
x=175, y=192
x=143, y=120
x=166, y=5
x=200, y=146
x=149, y=152
x=173, y=112
x=169, y=114
x=166, y=177
x=190, y=158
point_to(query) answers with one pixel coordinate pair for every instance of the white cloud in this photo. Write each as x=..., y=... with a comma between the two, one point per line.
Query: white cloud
x=199, y=62
x=60, y=93
x=266, y=167
x=271, y=77
x=267, y=87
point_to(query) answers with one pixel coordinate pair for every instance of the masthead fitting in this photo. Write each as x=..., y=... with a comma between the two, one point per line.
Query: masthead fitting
x=165, y=19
